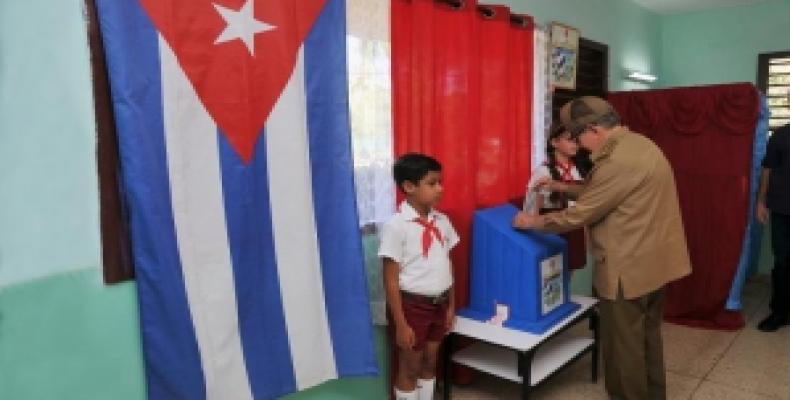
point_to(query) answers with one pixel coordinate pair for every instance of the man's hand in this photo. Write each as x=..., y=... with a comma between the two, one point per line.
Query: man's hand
x=762, y=212
x=404, y=336
x=523, y=220
x=550, y=185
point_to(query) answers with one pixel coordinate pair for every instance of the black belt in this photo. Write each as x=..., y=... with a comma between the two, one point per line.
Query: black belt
x=438, y=299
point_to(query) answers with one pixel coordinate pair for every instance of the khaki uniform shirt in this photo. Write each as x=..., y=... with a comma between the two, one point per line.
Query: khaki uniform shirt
x=630, y=205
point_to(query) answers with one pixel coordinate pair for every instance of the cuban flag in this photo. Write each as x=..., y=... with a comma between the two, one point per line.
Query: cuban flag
x=232, y=118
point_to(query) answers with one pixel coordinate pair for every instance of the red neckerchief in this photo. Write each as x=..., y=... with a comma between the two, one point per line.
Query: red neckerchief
x=427, y=238
x=566, y=171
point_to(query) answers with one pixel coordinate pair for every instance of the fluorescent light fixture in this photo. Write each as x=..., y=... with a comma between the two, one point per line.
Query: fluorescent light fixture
x=640, y=76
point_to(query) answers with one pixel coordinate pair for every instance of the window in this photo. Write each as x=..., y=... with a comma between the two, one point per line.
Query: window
x=591, y=77
x=370, y=105
x=370, y=108
x=591, y=80
x=773, y=79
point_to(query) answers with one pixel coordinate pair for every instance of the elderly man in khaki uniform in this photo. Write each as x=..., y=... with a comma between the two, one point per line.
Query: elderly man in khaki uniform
x=630, y=204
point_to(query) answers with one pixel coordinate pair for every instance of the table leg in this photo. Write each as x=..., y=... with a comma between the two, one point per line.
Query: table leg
x=525, y=371
x=595, y=327
x=446, y=365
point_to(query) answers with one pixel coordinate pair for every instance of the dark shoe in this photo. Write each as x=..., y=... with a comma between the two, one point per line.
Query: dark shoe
x=772, y=323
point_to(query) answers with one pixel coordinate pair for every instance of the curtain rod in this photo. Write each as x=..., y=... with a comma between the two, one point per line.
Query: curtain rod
x=456, y=4
x=488, y=12
x=521, y=21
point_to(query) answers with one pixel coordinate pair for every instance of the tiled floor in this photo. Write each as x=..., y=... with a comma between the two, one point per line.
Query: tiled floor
x=701, y=364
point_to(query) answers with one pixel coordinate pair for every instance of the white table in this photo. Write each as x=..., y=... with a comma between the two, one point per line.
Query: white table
x=519, y=356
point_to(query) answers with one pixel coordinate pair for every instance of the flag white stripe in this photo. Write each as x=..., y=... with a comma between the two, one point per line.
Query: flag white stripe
x=201, y=232
x=295, y=236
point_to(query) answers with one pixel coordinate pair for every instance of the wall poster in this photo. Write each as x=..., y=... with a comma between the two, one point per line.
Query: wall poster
x=564, y=55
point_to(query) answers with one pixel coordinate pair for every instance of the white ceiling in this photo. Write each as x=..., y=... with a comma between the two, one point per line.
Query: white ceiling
x=679, y=6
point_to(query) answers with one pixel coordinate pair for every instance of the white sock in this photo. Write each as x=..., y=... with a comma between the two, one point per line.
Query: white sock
x=405, y=395
x=426, y=388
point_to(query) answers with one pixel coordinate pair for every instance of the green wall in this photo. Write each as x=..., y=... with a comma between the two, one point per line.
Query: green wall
x=632, y=33
x=70, y=337
x=63, y=334
x=48, y=219
x=721, y=46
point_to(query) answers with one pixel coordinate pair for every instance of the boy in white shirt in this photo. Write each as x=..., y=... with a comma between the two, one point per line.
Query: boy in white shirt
x=415, y=246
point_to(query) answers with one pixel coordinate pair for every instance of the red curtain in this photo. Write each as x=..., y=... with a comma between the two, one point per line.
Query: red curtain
x=521, y=88
x=462, y=93
x=707, y=134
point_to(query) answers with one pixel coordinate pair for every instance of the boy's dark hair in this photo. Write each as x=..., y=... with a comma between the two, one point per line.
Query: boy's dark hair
x=413, y=167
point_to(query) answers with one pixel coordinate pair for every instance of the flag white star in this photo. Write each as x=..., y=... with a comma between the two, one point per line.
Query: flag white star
x=241, y=25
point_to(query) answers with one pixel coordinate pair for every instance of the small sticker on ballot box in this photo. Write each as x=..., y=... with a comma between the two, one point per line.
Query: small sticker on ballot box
x=552, y=288
x=502, y=314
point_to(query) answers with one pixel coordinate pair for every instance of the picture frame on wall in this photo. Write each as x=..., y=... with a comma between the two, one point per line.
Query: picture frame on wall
x=564, y=43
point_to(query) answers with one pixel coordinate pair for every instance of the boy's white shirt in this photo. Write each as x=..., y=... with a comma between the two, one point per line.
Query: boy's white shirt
x=401, y=241
x=542, y=171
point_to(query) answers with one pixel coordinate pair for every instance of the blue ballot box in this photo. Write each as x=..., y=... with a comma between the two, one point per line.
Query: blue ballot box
x=522, y=272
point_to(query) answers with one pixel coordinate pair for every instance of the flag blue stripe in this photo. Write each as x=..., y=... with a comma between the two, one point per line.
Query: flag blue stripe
x=173, y=369
x=173, y=366
x=261, y=320
x=340, y=245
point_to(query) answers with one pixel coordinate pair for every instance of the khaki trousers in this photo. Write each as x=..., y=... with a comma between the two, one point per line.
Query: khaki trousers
x=633, y=353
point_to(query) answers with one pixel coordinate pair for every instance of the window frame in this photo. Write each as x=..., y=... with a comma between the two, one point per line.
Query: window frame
x=763, y=64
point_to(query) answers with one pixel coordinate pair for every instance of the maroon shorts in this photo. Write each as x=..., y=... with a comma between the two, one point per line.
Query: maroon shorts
x=426, y=319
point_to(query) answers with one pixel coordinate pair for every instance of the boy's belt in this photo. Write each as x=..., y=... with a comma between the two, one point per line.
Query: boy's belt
x=438, y=299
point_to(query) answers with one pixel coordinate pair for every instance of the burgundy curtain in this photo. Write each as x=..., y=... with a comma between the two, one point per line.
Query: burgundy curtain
x=707, y=134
